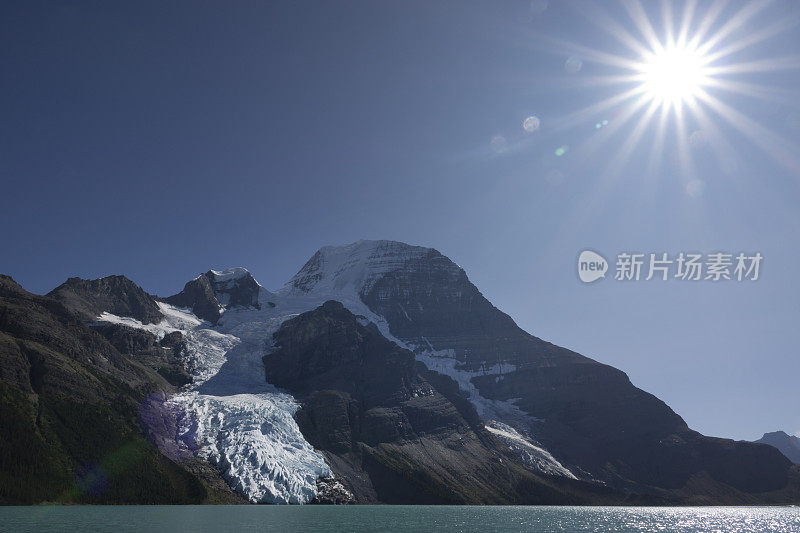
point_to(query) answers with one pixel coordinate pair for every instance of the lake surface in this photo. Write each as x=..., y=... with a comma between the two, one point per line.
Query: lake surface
x=397, y=518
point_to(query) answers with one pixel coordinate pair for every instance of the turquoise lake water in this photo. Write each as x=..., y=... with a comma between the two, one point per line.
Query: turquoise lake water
x=397, y=518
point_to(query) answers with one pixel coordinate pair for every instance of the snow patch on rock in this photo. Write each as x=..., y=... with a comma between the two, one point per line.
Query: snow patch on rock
x=532, y=455
x=229, y=274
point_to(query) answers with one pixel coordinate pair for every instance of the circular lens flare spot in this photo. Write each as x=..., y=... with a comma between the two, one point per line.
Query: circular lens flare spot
x=531, y=124
x=498, y=144
x=573, y=64
x=695, y=188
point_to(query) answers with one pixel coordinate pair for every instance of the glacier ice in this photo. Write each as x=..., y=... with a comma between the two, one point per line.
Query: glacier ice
x=230, y=416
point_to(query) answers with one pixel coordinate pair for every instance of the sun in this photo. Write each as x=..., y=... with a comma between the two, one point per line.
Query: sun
x=673, y=75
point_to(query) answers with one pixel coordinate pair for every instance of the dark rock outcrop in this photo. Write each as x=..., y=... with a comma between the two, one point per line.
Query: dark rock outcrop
x=209, y=293
x=388, y=433
x=331, y=491
x=789, y=445
x=114, y=294
x=165, y=356
x=198, y=295
x=235, y=287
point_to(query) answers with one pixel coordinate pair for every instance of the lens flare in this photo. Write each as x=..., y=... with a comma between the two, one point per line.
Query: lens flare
x=531, y=124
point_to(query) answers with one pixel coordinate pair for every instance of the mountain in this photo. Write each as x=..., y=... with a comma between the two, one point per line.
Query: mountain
x=397, y=432
x=789, y=445
x=71, y=408
x=587, y=414
x=380, y=373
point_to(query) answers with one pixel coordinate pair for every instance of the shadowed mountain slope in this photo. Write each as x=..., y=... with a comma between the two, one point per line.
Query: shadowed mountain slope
x=70, y=408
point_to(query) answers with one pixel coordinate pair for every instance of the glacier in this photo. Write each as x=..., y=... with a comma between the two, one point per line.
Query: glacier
x=232, y=417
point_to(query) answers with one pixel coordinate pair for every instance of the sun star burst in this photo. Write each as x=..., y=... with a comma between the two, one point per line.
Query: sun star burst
x=673, y=75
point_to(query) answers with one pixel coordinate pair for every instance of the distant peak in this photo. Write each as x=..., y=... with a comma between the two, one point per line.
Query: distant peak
x=229, y=274
x=778, y=433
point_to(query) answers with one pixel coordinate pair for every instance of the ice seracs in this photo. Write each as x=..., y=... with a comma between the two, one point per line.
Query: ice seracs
x=230, y=416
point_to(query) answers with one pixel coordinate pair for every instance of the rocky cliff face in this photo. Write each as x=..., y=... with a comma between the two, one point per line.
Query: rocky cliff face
x=166, y=356
x=209, y=294
x=393, y=431
x=198, y=295
x=113, y=294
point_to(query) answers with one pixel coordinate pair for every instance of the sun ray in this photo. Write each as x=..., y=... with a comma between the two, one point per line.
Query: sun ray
x=711, y=16
x=581, y=115
x=769, y=142
x=686, y=21
x=666, y=15
x=639, y=17
x=760, y=65
x=682, y=138
x=756, y=37
x=600, y=18
x=762, y=92
x=723, y=150
x=657, y=152
x=589, y=54
x=601, y=186
x=622, y=155
x=735, y=22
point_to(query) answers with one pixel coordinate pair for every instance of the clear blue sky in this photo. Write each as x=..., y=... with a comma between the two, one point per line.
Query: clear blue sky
x=160, y=139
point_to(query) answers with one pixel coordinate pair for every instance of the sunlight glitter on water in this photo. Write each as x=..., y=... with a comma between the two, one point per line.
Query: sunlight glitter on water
x=400, y=518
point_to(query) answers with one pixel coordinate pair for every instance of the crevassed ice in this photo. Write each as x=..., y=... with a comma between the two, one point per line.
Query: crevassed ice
x=255, y=441
x=230, y=416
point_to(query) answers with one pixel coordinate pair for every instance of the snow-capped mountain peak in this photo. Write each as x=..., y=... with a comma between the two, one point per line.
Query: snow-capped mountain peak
x=352, y=268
